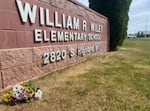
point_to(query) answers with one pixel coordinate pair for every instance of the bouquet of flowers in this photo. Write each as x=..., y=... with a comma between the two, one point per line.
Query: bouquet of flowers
x=22, y=94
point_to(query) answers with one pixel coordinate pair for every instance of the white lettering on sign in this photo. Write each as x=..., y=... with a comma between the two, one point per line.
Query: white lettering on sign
x=69, y=22
x=96, y=28
x=45, y=39
x=60, y=36
x=94, y=37
x=51, y=19
x=48, y=22
x=86, y=50
x=59, y=55
x=54, y=19
x=53, y=36
x=60, y=28
x=26, y=11
x=72, y=52
x=41, y=16
x=75, y=23
x=54, y=56
x=84, y=25
x=38, y=35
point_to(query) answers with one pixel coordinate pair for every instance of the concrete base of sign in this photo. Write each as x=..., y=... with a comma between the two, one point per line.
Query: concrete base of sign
x=24, y=64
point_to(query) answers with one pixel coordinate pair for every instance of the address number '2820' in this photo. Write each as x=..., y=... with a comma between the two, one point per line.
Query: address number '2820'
x=54, y=56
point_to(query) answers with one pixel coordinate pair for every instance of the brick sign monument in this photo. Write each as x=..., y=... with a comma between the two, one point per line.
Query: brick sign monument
x=41, y=36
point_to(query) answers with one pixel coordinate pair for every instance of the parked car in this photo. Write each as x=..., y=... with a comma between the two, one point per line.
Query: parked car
x=131, y=36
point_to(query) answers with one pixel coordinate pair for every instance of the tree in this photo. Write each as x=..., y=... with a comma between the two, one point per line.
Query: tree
x=117, y=12
x=140, y=34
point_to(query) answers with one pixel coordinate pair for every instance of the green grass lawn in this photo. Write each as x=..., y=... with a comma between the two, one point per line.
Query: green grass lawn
x=114, y=81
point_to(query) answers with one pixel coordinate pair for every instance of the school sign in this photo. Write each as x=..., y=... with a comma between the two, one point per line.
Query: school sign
x=41, y=36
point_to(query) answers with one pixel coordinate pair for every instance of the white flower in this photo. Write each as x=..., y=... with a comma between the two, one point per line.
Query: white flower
x=16, y=95
x=38, y=94
x=18, y=88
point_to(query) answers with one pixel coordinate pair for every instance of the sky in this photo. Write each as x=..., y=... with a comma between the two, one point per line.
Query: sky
x=139, y=15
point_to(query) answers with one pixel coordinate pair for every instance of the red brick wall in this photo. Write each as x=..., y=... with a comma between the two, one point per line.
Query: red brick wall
x=21, y=58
